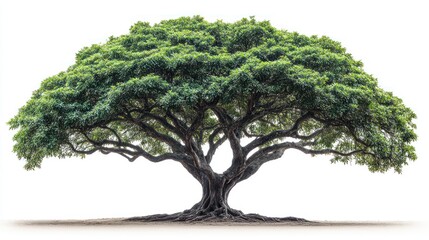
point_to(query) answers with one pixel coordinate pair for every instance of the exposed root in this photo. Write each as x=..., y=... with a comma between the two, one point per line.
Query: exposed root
x=220, y=215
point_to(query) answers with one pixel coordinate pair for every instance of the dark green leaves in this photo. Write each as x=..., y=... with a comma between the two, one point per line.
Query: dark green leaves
x=159, y=84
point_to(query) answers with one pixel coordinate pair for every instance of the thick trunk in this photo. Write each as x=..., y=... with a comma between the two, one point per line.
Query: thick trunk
x=214, y=199
x=213, y=206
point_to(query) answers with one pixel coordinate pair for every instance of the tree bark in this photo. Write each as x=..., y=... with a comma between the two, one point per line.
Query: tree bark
x=214, y=200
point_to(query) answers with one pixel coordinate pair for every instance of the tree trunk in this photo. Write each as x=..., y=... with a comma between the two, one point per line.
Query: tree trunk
x=213, y=206
x=214, y=201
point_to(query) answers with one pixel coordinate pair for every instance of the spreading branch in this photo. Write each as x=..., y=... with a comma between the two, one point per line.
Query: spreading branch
x=279, y=134
x=127, y=150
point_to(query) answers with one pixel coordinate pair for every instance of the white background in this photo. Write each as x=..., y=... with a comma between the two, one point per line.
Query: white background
x=40, y=38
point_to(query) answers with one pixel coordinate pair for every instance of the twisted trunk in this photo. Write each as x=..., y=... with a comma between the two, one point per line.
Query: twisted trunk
x=214, y=201
x=213, y=206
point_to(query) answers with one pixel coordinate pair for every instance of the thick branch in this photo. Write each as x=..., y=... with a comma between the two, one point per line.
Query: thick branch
x=198, y=121
x=213, y=146
x=86, y=152
x=127, y=150
x=251, y=168
x=238, y=156
x=278, y=134
x=222, y=115
x=195, y=125
x=276, y=151
x=177, y=123
x=232, y=133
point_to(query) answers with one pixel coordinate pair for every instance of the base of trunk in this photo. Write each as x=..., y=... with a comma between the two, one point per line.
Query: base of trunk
x=221, y=215
x=213, y=206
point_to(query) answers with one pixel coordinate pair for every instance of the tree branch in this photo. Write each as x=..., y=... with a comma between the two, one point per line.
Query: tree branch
x=177, y=122
x=355, y=137
x=160, y=120
x=312, y=135
x=299, y=146
x=214, y=145
x=277, y=134
x=113, y=131
x=87, y=152
x=123, y=149
x=276, y=151
x=222, y=115
x=238, y=156
x=327, y=151
x=175, y=145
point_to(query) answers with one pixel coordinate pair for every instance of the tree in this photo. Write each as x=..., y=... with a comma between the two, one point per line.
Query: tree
x=179, y=89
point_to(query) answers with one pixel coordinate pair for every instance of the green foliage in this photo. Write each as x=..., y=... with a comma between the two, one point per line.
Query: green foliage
x=187, y=65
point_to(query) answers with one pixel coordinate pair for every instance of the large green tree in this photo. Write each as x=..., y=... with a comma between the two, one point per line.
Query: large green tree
x=179, y=89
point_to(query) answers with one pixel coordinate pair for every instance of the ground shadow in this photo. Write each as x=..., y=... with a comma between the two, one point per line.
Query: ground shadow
x=121, y=222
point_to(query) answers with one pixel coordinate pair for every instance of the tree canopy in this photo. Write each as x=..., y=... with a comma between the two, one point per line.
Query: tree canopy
x=164, y=91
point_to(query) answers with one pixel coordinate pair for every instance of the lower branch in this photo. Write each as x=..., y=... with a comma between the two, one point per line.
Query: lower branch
x=253, y=165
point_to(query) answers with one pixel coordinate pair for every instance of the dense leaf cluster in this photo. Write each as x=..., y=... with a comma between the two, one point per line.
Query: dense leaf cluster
x=179, y=84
